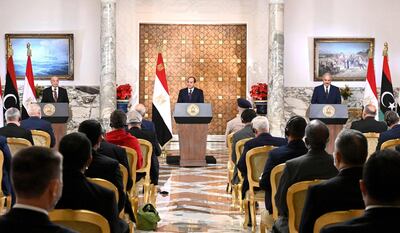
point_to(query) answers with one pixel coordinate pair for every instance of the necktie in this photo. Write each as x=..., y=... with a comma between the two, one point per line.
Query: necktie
x=326, y=92
x=55, y=96
x=190, y=95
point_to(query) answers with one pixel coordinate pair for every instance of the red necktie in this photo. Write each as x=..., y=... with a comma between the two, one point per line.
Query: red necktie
x=55, y=96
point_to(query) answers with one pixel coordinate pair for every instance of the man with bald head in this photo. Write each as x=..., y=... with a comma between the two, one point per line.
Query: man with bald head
x=55, y=94
x=368, y=123
x=146, y=124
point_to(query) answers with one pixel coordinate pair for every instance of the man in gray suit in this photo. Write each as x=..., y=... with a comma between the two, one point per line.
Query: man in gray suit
x=316, y=164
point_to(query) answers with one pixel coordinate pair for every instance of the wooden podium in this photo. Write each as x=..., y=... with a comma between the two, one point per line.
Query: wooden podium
x=334, y=116
x=57, y=114
x=192, y=120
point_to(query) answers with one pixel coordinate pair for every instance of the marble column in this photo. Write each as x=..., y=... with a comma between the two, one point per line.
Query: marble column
x=275, y=68
x=108, y=65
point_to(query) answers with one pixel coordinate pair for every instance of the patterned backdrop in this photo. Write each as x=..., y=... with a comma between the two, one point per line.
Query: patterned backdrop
x=214, y=54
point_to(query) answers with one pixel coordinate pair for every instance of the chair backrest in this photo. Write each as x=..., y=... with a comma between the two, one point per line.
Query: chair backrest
x=390, y=144
x=16, y=144
x=275, y=177
x=295, y=199
x=80, y=220
x=124, y=173
x=372, y=139
x=1, y=172
x=229, y=140
x=147, y=150
x=335, y=217
x=255, y=162
x=41, y=138
x=239, y=150
x=132, y=161
x=105, y=184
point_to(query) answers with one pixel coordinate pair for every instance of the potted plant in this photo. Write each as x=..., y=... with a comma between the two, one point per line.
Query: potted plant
x=345, y=93
x=124, y=93
x=259, y=93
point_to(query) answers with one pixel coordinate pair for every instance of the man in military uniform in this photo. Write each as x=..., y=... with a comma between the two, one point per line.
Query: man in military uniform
x=236, y=124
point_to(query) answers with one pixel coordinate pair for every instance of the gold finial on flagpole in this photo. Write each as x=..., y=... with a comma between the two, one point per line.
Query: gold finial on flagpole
x=385, y=49
x=9, y=49
x=29, y=51
x=371, y=51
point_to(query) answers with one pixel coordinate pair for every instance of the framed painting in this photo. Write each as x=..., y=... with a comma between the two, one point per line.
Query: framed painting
x=345, y=58
x=52, y=55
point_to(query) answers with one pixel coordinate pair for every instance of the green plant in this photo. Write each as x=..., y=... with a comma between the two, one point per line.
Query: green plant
x=346, y=92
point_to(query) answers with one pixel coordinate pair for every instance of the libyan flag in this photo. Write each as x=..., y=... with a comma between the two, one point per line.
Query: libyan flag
x=11, y=97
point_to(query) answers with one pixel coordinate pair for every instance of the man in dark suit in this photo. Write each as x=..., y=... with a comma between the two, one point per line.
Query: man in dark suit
x=35, y=123
x=190, y=94
x=341, y=192
x=134, y=124
x=36, y=176
x=368, y=123
x=326, y=93
x=55, y=94
x=13, y=128
x=6, y=181
x=380, y=187
x=78, y=192
x=316, y=164
x=392, y=121
x=294, y=131
x=146, y=124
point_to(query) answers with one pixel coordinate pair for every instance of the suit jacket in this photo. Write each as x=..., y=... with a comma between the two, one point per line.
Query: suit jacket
x=79, y=193
x=341, y=192
x=6, y=182
x=316, y=164
x=19, y=220
x=35, y=123
x=277, y=156
x=392, y=133
x=319, y=96
x=148, y=125
x=48, y=95
x=246, y=132
x=151, y=137
x=263, y=139
x=374, y=220
x=12, y=130
x=197, y=96
x=369, y=124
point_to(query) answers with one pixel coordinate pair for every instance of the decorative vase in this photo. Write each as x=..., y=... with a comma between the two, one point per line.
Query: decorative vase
x=261, y=107
x=123, y=105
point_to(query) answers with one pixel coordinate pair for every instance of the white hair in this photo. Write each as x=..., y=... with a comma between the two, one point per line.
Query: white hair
x=34, y=110
x=134, y=117
x=12, y=114
x=140, y=108
x=261, y=124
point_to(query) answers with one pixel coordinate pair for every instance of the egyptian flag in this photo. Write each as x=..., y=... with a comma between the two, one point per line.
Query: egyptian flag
x=161, y=104
x=11, y=97
x=387, y=100
x=29, y=95
x=370, y=92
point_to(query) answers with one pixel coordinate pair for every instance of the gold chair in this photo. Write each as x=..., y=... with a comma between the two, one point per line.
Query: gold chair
x=230, y=164
x=16, y=144
x=149, y=189
x=295, y=199
x=390, y=144
x=83, y=221
x=372, y=139
x=105, y=184
x=41, y=138
x=124, y=173
x=5, y=201
x=133, y=196
x=335, y=217
x=255, y=162
x=237, y=188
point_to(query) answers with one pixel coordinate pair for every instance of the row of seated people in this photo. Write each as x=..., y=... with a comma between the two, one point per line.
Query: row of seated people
x=308, y=162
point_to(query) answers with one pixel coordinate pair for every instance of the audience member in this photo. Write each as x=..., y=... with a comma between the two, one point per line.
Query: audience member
x=368, y=123
x=134, y=124
x=294, y=131
x=13, y=128
x=6, y=181
x=316, y=164
x=236, y=123
x=35, y=123
x=78, y=192
x=36, y=178
x=341, y=192
x=392, y=120
x=119, y=136
x=380, y=188
x=146, y=124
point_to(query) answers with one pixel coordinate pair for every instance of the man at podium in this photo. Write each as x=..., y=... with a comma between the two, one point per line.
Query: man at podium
x=190, y=94
x=55, y=94
x=326, y=93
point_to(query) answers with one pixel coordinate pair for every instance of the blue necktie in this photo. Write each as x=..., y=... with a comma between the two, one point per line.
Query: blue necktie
x=190, y=95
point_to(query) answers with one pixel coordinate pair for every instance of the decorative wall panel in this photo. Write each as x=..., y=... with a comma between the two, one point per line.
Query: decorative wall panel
x=214, y=54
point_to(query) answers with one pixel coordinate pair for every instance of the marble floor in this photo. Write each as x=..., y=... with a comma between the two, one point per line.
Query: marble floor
x=197, y=200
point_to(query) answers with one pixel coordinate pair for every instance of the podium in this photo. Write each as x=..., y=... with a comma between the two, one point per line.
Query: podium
x=192, y=120
x=57, y=114
x=334, y=116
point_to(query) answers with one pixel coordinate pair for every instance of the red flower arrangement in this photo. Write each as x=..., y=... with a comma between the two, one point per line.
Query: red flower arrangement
x=124, y=92
x=259, y=91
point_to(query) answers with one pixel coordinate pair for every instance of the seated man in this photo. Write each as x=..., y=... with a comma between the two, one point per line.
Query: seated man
x=294, y=132
x=78, y=192
x=236, y=123
x=6, y=186
x=35, y=123
x=341, y=192
x=368, y=123
x=316, y=164
x=380, y=188
x=36, y=177
x=13, y=128
x=146, y=124
x=392, y=121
